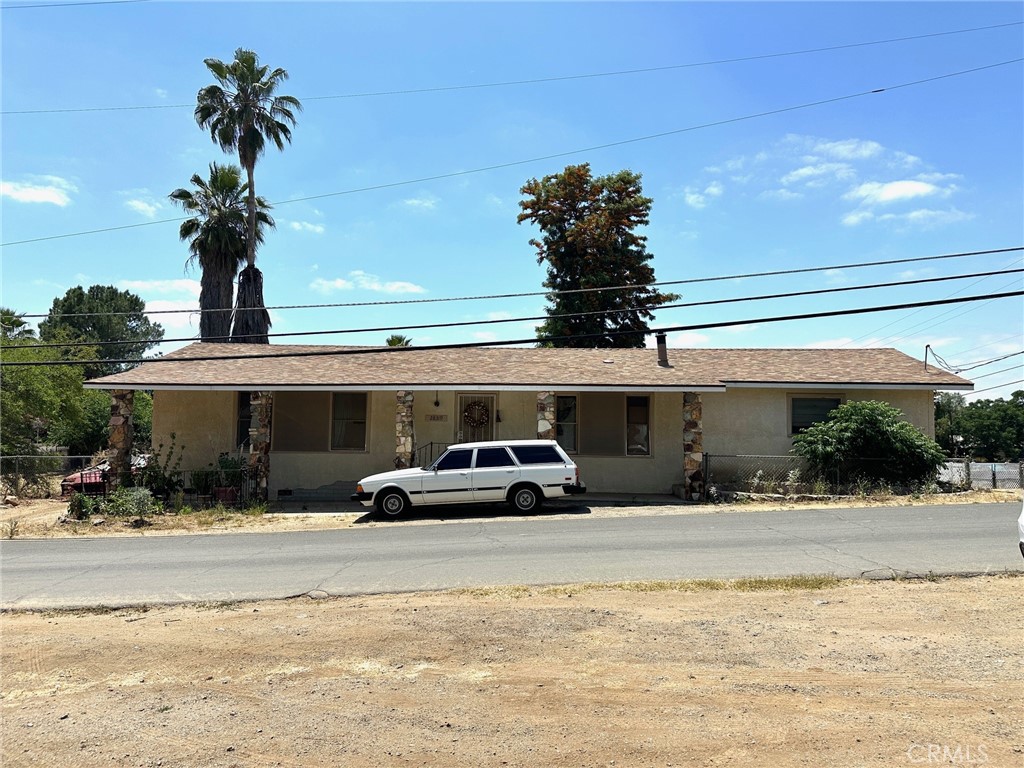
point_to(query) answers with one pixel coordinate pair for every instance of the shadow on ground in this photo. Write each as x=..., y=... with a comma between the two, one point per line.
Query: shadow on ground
x=440, y=512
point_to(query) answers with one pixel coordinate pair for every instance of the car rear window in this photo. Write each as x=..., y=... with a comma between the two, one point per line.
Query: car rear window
x=537, y=454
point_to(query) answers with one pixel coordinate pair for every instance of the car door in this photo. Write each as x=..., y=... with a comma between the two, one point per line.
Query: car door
x=448, y=481
x=493, y=472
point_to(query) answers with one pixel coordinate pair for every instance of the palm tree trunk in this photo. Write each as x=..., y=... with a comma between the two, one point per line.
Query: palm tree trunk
x=214, y=297
x=251, y=319
x=250, y=240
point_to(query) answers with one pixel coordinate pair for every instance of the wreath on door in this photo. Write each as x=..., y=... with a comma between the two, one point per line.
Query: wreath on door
x=476, y=414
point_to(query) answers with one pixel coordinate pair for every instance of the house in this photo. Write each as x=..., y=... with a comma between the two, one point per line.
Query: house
x=635, y=420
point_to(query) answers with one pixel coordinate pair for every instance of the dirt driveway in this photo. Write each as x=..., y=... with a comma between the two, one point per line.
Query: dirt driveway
x=844, y=674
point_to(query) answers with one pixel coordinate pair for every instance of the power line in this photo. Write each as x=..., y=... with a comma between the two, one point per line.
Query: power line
x=514, y=342
x=463, y=323
x=556, y=155
x=997, y=386
x=688, y=281
x=532, y=81
x=1014, y=336
x=996, y=373
x=983, y=363
x=122, y=2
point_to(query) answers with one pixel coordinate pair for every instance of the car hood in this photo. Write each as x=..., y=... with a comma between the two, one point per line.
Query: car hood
x=396, y=474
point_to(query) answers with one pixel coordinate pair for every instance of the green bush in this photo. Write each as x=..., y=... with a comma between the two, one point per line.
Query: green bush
x=870, y=442
x=81, y=507
x=129, y=502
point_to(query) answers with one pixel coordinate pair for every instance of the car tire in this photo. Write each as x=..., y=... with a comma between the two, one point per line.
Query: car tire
x=391, y=503
x=525, y=498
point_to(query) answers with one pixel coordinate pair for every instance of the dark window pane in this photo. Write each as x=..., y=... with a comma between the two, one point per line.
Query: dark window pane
x=493, y=457
x=348, y=426
x=455, y=460
x=537, y=454
x=810, y=410
x=638, y=433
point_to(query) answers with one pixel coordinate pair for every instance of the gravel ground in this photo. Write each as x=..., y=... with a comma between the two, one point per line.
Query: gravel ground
x=845, y=674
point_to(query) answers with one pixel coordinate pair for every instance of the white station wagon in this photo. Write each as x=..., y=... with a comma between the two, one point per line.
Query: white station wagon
x=521, y=472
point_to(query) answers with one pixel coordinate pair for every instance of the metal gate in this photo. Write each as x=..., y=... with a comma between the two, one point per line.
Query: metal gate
x=476, y=418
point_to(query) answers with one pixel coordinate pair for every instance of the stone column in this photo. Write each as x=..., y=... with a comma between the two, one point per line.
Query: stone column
x=259, y=441
x=122, y=433
x=693, y=447
x=545, y=415
x=405, y=432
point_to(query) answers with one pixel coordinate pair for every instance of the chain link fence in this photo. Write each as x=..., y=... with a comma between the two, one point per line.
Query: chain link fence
x=788, y=475
x=38, y=475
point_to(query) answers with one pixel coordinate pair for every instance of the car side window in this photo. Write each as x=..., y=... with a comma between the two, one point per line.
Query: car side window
x=493, y=457
x=455, y=460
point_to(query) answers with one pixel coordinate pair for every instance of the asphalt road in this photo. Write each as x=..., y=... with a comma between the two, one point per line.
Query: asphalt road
x=876, y=542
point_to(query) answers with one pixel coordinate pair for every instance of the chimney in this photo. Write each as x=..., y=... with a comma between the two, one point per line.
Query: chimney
x=662, y=351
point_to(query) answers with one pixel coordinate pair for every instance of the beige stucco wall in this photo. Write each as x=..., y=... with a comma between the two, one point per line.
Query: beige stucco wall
x=740, y=421
x=204, y=423
x=756, y=421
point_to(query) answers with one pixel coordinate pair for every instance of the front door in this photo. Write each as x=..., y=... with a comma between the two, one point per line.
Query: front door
x=476, y=418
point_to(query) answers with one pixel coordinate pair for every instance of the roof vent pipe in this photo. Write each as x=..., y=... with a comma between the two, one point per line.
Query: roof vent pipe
x=662, y=351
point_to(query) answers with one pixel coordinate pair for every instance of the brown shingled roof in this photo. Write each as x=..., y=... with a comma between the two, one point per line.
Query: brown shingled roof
x=326, y=367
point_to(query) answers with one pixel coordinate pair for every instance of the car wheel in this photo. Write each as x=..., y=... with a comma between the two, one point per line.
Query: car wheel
x=524, y=498
x=391, y=503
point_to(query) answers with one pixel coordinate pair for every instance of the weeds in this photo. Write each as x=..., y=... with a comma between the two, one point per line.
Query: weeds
x=11, y=528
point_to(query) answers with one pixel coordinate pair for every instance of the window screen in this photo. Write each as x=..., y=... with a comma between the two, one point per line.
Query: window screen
x=806, y=411
x=565, y=422
x=348, y=423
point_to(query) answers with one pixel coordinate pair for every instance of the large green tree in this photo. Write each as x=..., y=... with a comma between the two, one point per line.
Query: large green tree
x=216, y=235
x=589, y=241
x=987, y=430
x=243, y=111
x=112, y=319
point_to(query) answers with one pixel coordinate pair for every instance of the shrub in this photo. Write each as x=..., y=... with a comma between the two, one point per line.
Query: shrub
x=81, y=507
x=871, y=442
x=161, y=474
x=129, y=502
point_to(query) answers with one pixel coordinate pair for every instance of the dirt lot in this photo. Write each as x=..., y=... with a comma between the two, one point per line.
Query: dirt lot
x=39, y=517
x=844, y=674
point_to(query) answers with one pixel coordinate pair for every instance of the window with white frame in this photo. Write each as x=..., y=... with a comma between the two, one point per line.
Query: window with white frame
x=348, y=421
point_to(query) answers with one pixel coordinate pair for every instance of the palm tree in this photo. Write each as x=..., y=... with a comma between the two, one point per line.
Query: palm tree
x=242, y=111
x=14, y=326
x=398, y=340
x=217, y=236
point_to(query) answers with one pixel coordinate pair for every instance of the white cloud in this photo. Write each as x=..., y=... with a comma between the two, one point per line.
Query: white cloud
x=878, y=193
x=926, y=217
x=141, y=206
x=425, y=202
x=714, y=189
x=840, y=171
x=161, y=93
x=366, y=282
x=694, y=199
x=499, y=315
x=42, y=189
x=485, y=336
x=853, y=218
x=176, y=295
x=176, y=320
x=330, y=286
x=849, y=149
x=370, y=282
x=305, y=226
x=780, y=194
x=688, y=339
x=836, y=277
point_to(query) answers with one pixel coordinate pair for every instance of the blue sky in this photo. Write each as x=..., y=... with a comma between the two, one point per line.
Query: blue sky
x=914, y=171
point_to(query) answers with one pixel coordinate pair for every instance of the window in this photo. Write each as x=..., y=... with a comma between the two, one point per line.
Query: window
x=565, y=422
x=614, y=424
x=493, y=457
x=455, y=460
x=806, y=411
x=537, y=454
x=244, y=420
x=348, y=421
x=638, y=435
